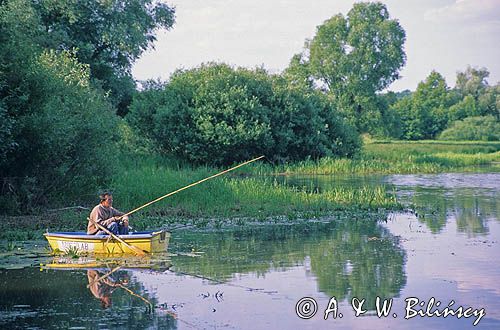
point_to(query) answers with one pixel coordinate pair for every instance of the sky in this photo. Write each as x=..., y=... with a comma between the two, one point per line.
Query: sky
x=441, y=35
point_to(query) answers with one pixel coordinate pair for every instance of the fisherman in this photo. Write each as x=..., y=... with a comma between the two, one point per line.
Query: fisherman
x=108, y=217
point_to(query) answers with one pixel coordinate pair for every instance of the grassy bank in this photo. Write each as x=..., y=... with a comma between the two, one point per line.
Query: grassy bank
x=242, y=196
x=235, y=199
x=402, y=157
x=231, y=196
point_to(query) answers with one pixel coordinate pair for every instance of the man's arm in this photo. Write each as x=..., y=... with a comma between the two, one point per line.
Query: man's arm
x=100, y=218
x=119, y=214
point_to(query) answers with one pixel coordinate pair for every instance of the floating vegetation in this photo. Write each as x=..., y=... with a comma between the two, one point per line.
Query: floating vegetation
x=73, y=252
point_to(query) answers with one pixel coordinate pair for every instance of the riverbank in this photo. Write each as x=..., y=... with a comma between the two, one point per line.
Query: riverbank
x=253, y=193
x=279, y=205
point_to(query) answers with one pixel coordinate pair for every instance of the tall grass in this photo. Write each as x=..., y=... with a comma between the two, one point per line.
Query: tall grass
x=402, y=157
x=140, y=181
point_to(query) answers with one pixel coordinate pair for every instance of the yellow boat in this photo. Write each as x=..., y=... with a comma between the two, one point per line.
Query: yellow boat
x=147, y=241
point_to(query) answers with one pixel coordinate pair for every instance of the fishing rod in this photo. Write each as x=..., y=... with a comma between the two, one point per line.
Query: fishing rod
x=190, y=185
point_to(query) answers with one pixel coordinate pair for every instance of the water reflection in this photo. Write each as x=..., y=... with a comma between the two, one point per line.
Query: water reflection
x=470, y=198
x=359, y=258
x=30, y=298
x=350, y=259
x=252, y=277
x=102, y=285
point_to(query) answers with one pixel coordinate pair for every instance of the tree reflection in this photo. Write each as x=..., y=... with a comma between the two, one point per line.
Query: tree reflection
x=357, y=258
x=435, y=198
x=360, y=260
x=470, y=209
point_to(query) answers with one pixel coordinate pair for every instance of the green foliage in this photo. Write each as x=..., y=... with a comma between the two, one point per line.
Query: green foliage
x=55, y=121
x=472, y=81
x=485, y=128
x=73, y=252
x=429, y=110
x=353, y=57
x=489, y=101
x=108, y=36
x=400, y=157
x=465, y=108
x=61, y=131
x=479, y=99
x=139, y=181
x=7, y=143
x=425, y=113
x=215, y=114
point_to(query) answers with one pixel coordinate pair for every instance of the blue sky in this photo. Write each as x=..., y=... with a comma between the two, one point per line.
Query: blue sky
x=442, y=35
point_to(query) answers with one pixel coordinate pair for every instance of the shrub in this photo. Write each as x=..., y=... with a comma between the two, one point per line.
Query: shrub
x=485, y=128
x=217, y=115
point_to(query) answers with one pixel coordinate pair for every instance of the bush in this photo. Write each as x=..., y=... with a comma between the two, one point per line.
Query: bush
x=485, y=128
x=218, y=115
x=63, y=133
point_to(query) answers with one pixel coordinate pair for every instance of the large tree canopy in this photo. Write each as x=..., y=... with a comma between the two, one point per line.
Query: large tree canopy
x=352, y=58
x=472, y=81
x=56, y=57
x=107, y=35
x=480, y=99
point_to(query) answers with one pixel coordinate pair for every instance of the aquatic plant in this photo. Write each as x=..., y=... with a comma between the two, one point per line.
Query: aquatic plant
x=72, y=252
x=11, y=246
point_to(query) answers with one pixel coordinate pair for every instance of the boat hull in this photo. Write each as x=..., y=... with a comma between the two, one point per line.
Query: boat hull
x=149, y=242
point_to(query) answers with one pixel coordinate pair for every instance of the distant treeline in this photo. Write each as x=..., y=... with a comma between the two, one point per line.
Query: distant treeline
x=69, y=107
x=469, y=111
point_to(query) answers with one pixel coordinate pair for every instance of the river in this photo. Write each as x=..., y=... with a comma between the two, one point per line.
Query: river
x=446, y=251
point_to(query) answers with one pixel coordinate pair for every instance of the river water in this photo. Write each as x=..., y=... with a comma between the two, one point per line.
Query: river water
x=447, y=250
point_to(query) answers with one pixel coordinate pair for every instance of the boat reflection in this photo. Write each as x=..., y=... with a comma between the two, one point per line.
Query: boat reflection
x=158, y=262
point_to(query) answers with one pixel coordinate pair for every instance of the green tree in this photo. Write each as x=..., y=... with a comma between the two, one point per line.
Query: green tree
x=489, y=101
x=108, y=35
x=430, y=102
x=425, y=113
x=53, y=121
x=463, y=109
x=7, y=143
x=472, y=81
x=352, y=58
x=477, y=94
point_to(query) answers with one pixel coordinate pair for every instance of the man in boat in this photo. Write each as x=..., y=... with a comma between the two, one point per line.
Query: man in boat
x=107, y=216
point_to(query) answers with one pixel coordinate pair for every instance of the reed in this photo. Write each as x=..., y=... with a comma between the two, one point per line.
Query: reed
x=232, y=195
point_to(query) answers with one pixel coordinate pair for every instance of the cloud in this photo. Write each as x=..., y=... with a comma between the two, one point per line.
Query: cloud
x=467, y=11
